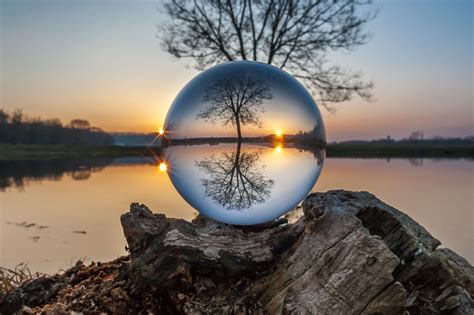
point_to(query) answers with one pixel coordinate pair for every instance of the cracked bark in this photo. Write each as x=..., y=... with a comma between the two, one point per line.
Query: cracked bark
x=349, y=253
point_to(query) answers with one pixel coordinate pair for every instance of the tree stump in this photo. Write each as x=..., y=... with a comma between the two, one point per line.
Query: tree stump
x=349, y=253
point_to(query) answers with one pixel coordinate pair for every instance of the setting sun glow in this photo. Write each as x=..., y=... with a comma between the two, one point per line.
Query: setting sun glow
x=163, y=167
x=161, y=132
x=278, y=133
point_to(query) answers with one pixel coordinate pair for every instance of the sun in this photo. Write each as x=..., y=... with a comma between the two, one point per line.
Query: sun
x=161, y=132
x=163, y=167
x=278, y=133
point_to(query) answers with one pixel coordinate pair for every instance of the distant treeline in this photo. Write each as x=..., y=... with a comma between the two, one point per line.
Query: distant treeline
x=466, y=141
x=410, y=147
x=18, y=128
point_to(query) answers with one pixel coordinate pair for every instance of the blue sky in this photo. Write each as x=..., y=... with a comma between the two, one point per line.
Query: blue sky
x=101, y=60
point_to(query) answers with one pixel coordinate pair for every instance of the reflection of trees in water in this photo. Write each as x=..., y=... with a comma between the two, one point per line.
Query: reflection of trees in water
x=318, y=154
x=17, y=173
x=81, y=174
x=417, y=162
x=236, y=179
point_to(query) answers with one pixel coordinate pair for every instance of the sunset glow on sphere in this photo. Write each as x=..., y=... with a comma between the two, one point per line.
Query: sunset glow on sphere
x=223, y=131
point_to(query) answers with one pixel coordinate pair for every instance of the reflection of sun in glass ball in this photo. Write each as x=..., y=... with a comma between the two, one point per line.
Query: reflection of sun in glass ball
x=244, y=142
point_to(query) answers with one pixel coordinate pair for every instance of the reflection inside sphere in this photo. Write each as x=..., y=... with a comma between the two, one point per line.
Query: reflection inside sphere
x=235, y=180
x=243, y=142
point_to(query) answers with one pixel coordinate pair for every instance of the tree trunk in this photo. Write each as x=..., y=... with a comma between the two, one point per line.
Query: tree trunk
x=237, y=124
x=349, y=254
x=237, y=153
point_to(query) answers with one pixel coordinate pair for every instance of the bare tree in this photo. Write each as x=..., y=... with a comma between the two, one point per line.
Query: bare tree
x=79, y=124
x=290, y=34
x=235, y=179
x=4, y=116
x=416, y=136
x=235, y=101
x=18, y=116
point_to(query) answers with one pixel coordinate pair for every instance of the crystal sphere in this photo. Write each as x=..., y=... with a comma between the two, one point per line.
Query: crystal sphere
x=244, y=142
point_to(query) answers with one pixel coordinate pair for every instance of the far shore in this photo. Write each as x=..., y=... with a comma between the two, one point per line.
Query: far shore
x=364, y=150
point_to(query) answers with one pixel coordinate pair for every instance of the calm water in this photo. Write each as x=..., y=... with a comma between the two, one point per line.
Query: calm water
x=76, y=204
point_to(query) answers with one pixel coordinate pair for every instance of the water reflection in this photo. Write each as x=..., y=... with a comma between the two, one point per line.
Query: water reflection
x=94, y=205
x=257, y=181
x=19, y=173
x=235, y=179
x=417, y=162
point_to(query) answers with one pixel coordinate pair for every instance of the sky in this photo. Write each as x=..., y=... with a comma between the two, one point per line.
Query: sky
x=101, y=60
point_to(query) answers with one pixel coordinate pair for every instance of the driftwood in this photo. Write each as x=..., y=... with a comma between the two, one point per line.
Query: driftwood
x=349, y=253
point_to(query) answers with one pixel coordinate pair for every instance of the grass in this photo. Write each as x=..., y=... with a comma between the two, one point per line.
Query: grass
x=11, y=279
x=19, y=151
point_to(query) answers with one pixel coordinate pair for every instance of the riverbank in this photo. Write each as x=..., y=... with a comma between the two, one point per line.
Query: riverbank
x=31, y=152
x=366, y=150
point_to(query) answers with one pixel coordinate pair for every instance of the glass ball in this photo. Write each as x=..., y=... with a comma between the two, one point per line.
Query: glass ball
x=244, y=142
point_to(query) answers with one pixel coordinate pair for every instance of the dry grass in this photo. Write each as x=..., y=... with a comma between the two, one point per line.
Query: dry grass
x=10, y=279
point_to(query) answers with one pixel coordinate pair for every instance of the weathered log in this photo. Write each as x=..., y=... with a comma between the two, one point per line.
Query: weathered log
x=349, y=253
